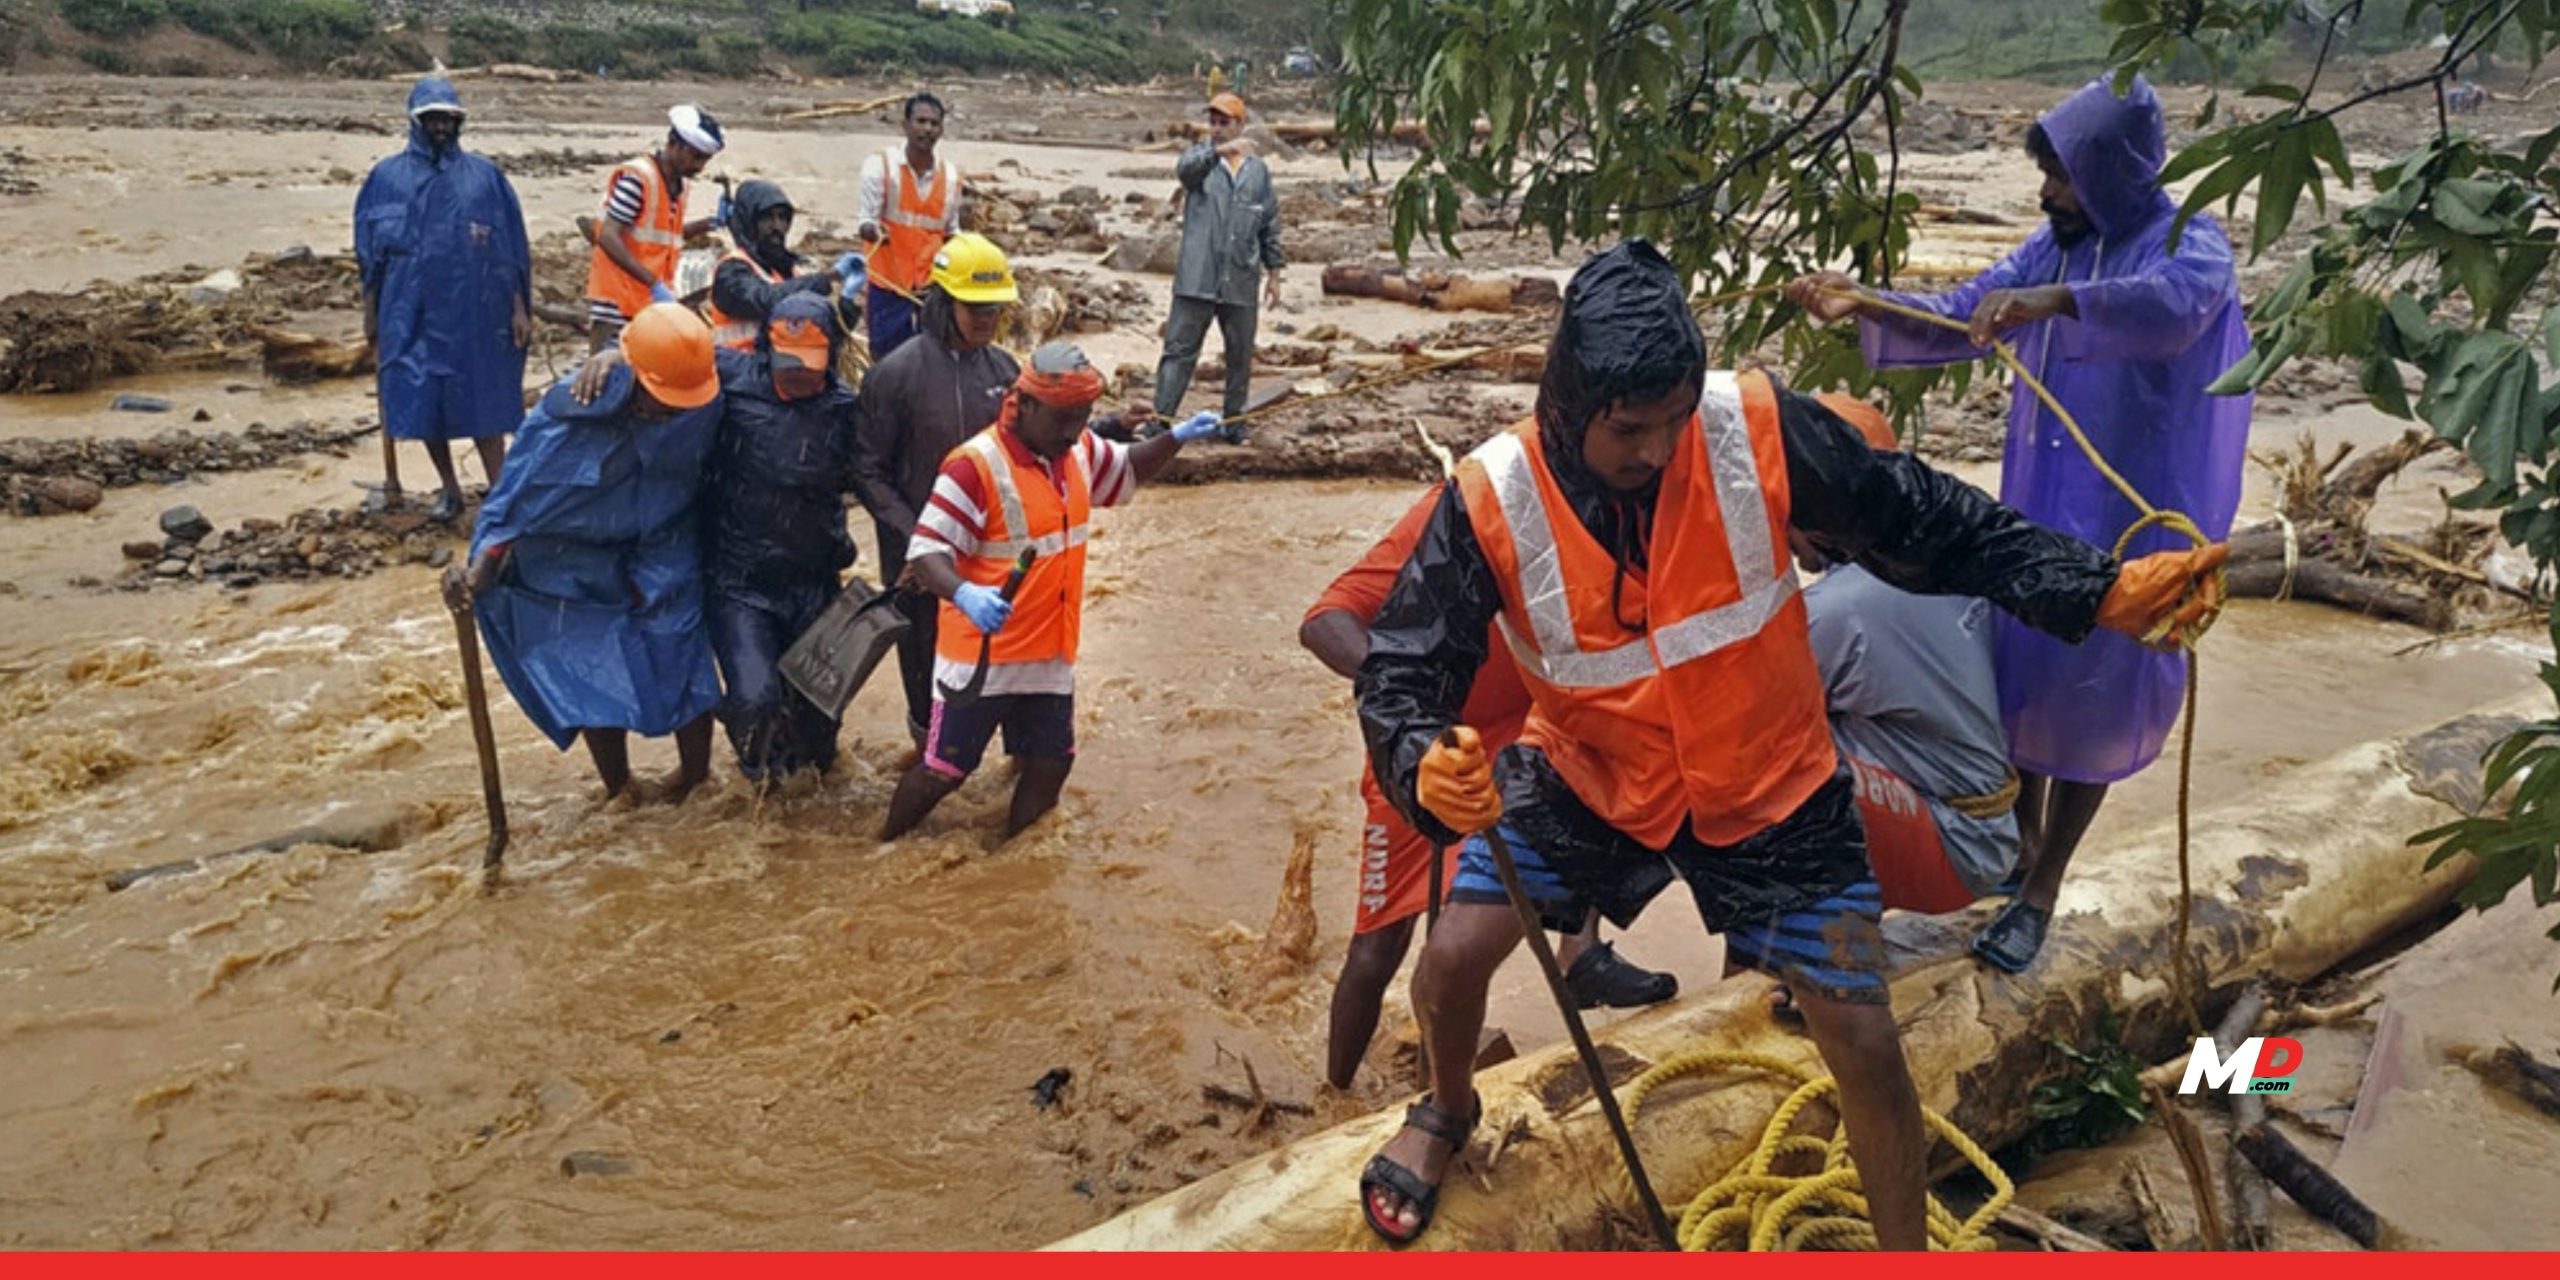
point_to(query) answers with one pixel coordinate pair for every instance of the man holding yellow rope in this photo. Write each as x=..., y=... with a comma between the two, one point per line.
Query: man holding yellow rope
x=1631, y=543
x=2126, y=331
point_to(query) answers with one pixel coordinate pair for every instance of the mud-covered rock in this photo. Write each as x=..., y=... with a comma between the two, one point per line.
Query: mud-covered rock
x=185, y=524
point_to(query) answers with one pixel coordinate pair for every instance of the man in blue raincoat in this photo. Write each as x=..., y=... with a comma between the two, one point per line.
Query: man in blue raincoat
x=448, y=282
x=2127, y=329
x=586, y=566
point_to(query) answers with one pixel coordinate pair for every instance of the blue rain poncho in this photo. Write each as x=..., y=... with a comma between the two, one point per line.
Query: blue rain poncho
x=2155, y=328
x=595, y=620
x=440, y=242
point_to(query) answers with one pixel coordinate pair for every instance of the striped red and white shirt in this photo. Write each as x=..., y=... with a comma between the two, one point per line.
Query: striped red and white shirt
x=954, y=523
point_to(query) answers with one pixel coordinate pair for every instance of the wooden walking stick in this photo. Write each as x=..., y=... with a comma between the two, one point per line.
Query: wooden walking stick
x=466, y=636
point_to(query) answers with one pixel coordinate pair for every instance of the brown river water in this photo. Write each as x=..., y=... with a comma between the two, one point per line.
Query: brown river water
x=741, y=1022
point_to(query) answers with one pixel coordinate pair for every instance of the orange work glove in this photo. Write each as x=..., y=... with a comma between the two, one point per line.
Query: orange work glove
x=1456, y=782
x=2168, y=598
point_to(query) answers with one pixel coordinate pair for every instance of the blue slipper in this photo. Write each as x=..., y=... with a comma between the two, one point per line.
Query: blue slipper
x=2013, y=938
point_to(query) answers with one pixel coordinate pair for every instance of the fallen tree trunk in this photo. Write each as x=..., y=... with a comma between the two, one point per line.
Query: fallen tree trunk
x=1439, y=291
x=2290, y=881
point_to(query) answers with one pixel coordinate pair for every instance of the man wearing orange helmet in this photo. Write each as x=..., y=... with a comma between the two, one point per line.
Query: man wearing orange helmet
x=584, y=568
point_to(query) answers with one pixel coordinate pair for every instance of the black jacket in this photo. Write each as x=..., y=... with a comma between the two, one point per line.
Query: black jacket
x=1915, y=527
x=773, y=502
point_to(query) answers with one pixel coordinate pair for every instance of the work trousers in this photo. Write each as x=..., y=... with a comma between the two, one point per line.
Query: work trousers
x=772, y=728
x=915, y=648
x=1183, y=331
x=892, y=321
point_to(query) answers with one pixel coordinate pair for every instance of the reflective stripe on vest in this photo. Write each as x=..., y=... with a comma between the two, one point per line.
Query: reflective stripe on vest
x=999, y=470
x=914, y=221
x=1551, y=652
x=657, y=240
x=653, y=204
x=737, y=335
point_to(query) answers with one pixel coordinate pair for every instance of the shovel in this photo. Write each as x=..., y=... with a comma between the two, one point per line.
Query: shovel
x=968, y=693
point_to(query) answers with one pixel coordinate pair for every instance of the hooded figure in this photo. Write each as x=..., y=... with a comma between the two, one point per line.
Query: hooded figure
x=760, y=270
x=447, y=276
x=2148, y=330
x=775, y=541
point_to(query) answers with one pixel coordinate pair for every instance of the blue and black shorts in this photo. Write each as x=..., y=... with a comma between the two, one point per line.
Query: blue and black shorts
x=1796, y=901
x=1034, y=724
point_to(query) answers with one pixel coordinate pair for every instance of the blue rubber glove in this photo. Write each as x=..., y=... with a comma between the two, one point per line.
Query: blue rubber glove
x=1198, y=426
x=721, y=213
x=985, y=607
x=659, y=292
x=851, y=269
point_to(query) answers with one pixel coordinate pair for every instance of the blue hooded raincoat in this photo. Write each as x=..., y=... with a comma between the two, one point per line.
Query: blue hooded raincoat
x=441, y=244
x=2155, y=327
x=595, y=620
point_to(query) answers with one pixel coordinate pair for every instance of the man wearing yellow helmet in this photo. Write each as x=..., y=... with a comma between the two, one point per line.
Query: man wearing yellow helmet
x=917, y=405
x=585, y=570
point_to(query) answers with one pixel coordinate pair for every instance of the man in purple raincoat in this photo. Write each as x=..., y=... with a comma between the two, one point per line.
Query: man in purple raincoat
x=2127, y=332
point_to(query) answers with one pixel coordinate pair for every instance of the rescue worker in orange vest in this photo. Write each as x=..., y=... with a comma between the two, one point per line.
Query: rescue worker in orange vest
x=760, y=270
x=640, y=230
x=907, y=205
x=1028, y=482
x=1631, y=541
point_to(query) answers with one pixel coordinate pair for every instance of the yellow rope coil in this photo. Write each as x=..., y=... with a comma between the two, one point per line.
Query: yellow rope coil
x=1756, y=1207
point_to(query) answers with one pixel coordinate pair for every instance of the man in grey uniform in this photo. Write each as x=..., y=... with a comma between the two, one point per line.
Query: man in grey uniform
x=1916, y=715
x=1230, y=240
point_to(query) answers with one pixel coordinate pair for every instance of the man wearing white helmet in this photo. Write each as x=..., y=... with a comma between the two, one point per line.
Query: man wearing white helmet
x=640, y=230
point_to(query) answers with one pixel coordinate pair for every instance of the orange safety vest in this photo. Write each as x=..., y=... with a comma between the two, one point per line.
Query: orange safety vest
x=914, y=223
x=657, y=239
x=1031, y=511
x=737, y=335
x=1714, y=711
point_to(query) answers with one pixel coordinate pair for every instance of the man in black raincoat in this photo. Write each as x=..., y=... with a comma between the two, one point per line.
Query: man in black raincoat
x=1672, y=689
x=774, y=537
x=760, y=270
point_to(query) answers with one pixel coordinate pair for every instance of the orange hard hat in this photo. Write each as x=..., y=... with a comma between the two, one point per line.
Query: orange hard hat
x=1869, y=420
x=1228, y=105
x=670, y=349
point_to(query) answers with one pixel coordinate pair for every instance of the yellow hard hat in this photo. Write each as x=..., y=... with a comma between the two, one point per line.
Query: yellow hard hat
x=972, y=269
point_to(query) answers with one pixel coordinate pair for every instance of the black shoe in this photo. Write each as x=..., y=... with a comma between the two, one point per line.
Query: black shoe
x=2012, y=939
x=1600, y=979
x=448, y=507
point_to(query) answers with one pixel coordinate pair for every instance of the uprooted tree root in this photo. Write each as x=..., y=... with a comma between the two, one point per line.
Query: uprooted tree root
x=2436, y=583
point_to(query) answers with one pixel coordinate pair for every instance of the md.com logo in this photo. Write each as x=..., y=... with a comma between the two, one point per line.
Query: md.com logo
x=2262, y=1064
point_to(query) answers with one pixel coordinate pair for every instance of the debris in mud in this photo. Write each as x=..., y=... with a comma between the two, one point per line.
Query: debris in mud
x=2322, y=549
x=186, y=524
x=312, y=543
x=55, y=496
x=131, y=402
x=15, y=176
x=1045, y=1090
x=53, y=342
x=593, y=1164
x=2512, y=1068
x=116, y=462
x=552, y=162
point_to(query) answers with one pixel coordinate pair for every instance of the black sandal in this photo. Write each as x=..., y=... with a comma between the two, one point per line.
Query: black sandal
x=2013, y=938
x=1425, y=1198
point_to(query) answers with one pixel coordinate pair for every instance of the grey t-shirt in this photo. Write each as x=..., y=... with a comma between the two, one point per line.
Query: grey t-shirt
x=1908, y=679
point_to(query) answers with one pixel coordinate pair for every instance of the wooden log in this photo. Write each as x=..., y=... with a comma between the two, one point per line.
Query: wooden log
x=1978, y=1041
x=1438, y=291
x=2257, y=573
x=2248, y=1189
x=288, y=356
x=2053, y=1235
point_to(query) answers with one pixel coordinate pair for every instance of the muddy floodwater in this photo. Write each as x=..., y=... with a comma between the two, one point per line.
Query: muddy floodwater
x=743, y=1021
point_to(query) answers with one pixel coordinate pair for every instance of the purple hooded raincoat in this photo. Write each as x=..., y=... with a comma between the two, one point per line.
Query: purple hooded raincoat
x=2155, y=327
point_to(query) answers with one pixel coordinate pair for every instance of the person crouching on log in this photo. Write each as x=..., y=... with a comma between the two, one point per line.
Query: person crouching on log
x=1631, y=541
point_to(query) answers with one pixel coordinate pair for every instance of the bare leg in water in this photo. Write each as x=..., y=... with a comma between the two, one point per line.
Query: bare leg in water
x=611, y=751
x=1036, y=791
